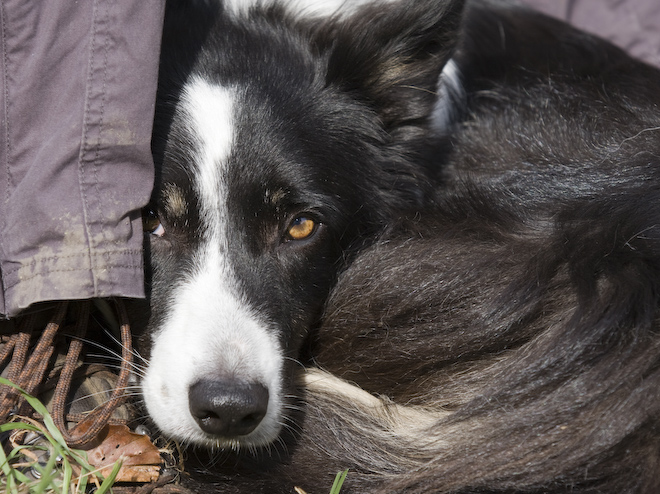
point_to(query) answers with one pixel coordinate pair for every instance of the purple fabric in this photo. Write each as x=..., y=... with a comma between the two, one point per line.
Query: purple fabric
x=76, y=108
x=634, y=25
x=78, y=88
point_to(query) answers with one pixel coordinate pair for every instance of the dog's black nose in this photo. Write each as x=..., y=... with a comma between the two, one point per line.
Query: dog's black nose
x=228, y=408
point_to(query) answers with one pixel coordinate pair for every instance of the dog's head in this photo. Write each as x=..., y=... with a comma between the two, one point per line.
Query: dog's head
x=284, y=142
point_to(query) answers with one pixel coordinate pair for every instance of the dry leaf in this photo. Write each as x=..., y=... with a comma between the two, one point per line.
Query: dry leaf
x=141, y=460
x=134, y=473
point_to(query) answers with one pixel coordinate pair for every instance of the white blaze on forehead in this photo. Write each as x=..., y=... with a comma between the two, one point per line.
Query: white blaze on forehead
x=304, y=8
x=210, y=331
x=210, y=111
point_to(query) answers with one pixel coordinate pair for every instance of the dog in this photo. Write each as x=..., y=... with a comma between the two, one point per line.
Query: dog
x=415, y=240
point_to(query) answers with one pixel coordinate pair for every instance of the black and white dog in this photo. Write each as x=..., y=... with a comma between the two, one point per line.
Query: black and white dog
x=443, y=286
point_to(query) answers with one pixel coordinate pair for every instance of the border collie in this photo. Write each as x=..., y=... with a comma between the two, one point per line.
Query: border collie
x=419, y=240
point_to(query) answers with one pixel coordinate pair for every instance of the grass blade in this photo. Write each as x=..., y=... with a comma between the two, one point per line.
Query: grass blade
x=47, y=474
x=19, y=425
x=109, y=480
x=339, y=481
x=55, y=478
x=40, y=409
x=7, y=471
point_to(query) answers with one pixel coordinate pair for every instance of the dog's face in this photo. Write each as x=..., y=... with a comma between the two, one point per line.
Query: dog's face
x=276, y=162
x=243, y=255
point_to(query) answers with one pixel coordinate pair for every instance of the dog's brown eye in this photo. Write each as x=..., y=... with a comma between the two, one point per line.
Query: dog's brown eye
x=151, y=223
x=301, y=228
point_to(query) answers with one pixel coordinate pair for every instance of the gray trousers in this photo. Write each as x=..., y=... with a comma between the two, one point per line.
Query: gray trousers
x=634, y=25
x=76, y=109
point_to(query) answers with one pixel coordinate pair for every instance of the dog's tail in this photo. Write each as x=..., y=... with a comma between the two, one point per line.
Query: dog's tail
x=535, y=370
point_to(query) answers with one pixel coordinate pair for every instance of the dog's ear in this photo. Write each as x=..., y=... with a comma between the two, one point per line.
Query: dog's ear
x=391, y=54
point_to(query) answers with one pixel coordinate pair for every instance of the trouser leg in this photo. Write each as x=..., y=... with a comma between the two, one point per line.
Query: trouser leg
x=76, y=108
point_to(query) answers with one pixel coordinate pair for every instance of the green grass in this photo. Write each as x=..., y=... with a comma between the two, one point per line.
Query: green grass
x=66, y=471
x=339, y=481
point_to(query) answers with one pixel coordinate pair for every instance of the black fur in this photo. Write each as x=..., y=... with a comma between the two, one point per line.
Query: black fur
x=498, y=279
x=321, y=126
x=535, y=327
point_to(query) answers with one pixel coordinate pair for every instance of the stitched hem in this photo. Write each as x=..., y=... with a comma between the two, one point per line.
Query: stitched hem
x=68, y=278
x=55, y=259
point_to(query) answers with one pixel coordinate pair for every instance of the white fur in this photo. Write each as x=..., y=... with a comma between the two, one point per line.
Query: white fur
x=303, y=8
x=451, y=95
x=404, y=421
x=210, y=329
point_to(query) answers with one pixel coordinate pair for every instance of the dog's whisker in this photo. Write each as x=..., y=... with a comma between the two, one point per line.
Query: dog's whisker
x=295, y=361
x=408, y=240
x=110, y=352
x=134, y=351
x=137, y=371
x=127, y=392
